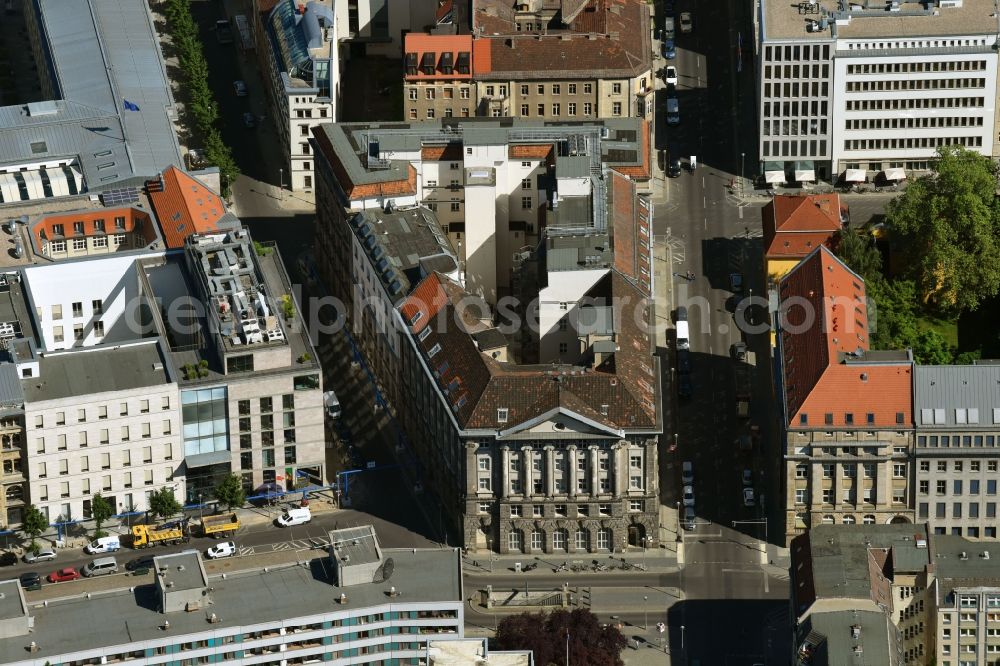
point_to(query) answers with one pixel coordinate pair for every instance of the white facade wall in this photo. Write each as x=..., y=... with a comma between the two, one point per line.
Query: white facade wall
x=303, y=112
x=558, y=300
x=67, y=463
x=55, y=288
x=896, y=109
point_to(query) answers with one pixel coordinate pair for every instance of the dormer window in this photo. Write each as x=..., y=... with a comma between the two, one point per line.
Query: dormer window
x=427, y=64
x=502, y=415
x=464, y=63
x=447, y=62
x=411, y=64
x=434, y=350
x=417, y=317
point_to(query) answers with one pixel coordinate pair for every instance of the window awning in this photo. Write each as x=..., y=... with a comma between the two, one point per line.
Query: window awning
x=805, y=176
x=774, y=176
x=855, y=176
x=895, y=173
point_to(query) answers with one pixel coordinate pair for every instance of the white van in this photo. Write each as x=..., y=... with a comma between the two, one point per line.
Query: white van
x=683, y=342
x=108, y=544
x=292, y=517
x=331, y=404
x=100, y=567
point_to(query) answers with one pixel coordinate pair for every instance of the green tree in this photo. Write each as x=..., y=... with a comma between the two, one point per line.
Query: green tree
x=930, y=348
x=858, y=251
x=230, y=492
x=162, y=503
x=892, y=322
x=947, y=226
x=100, y=510
x=545, y=635
x=34, y=523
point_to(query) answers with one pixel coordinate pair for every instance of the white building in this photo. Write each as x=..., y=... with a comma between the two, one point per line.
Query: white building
x=874, y=88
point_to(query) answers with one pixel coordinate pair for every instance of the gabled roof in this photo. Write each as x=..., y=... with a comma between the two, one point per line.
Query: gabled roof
x=184, y=206
x=795, y=225
x=829, y=375
x=421, y=43
x=619, y=395
x=603, y=38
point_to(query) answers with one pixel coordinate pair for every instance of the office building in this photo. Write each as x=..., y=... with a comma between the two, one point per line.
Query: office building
x=846, y=409
x=957, y=412
x=534, y=438
x=872, y=89
x=893, y=594
x=288, y=614
x=90, y=56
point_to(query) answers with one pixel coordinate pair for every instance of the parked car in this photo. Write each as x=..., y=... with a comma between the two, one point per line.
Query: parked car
x=298, y=516
x=669, y=50
x=687, y=472
x=687, y=25
x=108, y=544
x=674, y=168
x=748, y=477
x=8, y=559
x=63, y=575
x=249, y=121
x=240, y=88
x=44, y=555
x=748, y=497
x=220, y=550
x=102, y=566
x=688, y=495
x=689, y=517
x=144, y=562
x=670, y=75
x=31, y=581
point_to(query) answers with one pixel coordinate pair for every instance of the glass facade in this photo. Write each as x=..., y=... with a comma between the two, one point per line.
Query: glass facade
x=206, y=426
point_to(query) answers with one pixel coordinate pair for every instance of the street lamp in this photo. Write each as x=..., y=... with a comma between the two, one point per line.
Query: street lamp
x=645, y=613
x=680, y=533
x=742, y=156
x=201, y=509
x=682, y=637
x=281, y=184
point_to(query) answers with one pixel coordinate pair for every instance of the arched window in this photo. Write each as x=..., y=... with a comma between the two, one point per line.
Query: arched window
x=582, y=540
x=849, y=520
x=560, y=540
x=515, y=542
x=828, y=520
x=537, y=539
x=15, y=494
x=869, y=519
x=604, y=538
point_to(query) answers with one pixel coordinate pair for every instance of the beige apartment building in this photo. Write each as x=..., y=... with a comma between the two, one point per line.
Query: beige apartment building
x=848, y=430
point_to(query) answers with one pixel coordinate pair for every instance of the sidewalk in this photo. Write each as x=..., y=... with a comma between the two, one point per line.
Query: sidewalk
x=654, y=560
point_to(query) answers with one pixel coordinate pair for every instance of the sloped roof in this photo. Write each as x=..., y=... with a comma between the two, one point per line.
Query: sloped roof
x=604, y=38
x=795, y=225
x=184, y=206
x=620, y=395
x=826, y=363
x=421, y=43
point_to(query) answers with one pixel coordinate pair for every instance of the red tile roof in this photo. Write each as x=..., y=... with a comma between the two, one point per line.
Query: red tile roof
x=826, y=366
x=478, y=386
x=795, y=225
x=184, y=206
x=44, y=228
x=606, y=37
x=530, y=151
x=449, y=153
x=422, y=42
x=482, y=56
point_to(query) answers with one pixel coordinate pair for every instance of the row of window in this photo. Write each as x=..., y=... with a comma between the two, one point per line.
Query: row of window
x=446, y=93
x=583, y=485
x=849, y=495
x=814, y=71
x=59, y=335
x=79, y=227
x=959, y=465
x=59, y=418
x=803, y=148
x=127, y=481
x=915, y=84
x=123, y=458
x=308, y=113
x=794, y=127
x=913, y=123
x=963, y=415
x=245, y=423
x=921, y=142
x=561, y=510
x=797, y=53
x=266, y=404
x=588, y=109
x=96, y=308
x=918, y=66
x=915, y=103
x=449, y=112
x=78, y=244
x=957, y=486
x=268, y=459
x=795, y=108
x=915, y=44
x=603, y=540
x=796, y=89
x=958, y=510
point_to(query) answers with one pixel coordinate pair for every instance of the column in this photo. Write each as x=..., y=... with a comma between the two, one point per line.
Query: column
x=882, y=488
x=815, y=485
x=504, y=477
x=571, y=470
x=550, y=470
x=527, y=475
x=595, y=472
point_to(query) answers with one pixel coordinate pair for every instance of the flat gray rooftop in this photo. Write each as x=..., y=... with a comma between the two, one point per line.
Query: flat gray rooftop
x=126, y=618
x=837, y=627
x=182, y=569
x=355, y=543
x=119, y=368
x=10, y=600
x=783, y=20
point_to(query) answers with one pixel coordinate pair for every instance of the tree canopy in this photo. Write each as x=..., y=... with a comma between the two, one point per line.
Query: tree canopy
x=101, y=510
x=230, y=492
x=34, y=523
x=947, y=226
x=545, y=635
x=163, y=503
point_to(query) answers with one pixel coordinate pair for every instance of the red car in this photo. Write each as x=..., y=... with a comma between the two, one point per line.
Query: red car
x=63, y=575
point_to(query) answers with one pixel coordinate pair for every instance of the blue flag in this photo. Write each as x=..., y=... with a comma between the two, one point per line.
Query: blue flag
x=129, y=106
